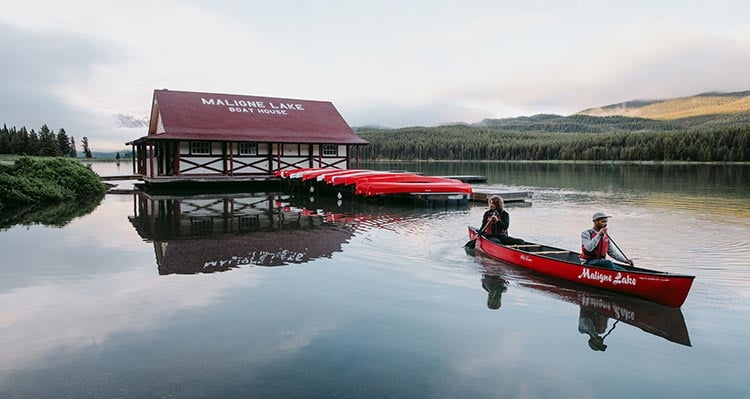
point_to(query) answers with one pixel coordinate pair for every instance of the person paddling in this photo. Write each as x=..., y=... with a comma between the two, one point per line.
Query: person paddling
x=595, y=245
x=497, y=220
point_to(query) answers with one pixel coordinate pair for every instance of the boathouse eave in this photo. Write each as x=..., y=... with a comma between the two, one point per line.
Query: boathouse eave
x=355, y=140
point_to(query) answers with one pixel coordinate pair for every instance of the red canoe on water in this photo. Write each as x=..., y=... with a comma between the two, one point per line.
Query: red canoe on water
x=355, y=179
x=660, y=287
x=363, y=185
x=387, y=188
x=286, y=173
x=351, y=178
x=305, y=174
x=327, y=178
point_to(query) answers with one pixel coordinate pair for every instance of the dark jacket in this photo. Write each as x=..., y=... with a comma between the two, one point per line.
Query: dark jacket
x=500, y=227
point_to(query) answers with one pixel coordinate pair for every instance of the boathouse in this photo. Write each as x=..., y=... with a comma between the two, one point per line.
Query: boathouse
x=225, y=137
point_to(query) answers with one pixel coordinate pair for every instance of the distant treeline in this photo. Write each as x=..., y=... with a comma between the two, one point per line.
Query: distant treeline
x=43, y=143
x=578, y=137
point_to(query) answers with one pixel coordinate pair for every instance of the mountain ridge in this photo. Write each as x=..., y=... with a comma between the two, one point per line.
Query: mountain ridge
x=709, y=103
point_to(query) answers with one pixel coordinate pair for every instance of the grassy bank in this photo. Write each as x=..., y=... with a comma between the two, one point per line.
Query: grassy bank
x=47, y=180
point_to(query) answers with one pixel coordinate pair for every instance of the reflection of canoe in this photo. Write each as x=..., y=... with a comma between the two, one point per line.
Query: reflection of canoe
x=652, y=318
x=659, y=320
x=660, y=287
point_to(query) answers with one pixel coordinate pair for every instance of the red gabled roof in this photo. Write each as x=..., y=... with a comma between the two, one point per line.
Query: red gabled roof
x=228, y=117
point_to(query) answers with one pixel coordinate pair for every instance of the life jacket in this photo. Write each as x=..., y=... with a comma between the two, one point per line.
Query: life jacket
x=600, y=252
x=494, y=229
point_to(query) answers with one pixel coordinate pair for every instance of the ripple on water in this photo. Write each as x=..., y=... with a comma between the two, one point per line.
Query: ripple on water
x=429, y=237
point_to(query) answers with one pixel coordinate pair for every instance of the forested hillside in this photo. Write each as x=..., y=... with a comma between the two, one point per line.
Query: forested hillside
x=544, y=142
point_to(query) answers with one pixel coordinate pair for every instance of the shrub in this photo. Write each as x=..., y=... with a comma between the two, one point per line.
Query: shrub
x=47, y=180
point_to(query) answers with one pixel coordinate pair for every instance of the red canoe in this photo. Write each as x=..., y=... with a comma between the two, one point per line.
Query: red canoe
x=286, y=173
x=307, y=174
x=363, y=184
x=387, y=188
x=356, y=180
x=327, y=178
x=660, y=287
x=351, y=178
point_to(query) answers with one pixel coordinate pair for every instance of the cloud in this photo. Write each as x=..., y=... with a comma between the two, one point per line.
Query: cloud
x=428, y=64
x=398, y=115
x=36, y=70
x=130, y=121
x=651, y=64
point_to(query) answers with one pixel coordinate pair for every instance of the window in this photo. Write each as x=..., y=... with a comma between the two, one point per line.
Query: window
x=249, y=222
x=330, y=150
x=291, y=150
x=200, y=147
x=248, y=148
x=201, y=226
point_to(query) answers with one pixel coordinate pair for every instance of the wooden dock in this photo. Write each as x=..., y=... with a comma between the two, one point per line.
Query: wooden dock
x=122, y=177
x=483, y=194
x=192, y=179
x=195, y=182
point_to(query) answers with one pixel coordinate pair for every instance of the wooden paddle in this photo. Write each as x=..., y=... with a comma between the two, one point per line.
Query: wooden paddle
x=620, y=250
x=473, y=243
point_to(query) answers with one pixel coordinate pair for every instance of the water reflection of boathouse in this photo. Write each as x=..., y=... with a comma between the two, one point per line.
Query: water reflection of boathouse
x=211, y=233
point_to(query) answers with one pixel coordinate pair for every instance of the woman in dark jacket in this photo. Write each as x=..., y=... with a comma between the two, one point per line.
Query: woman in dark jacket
x=498, y=220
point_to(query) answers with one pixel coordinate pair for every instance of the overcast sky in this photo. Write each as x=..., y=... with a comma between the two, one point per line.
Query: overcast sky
x=78, y=64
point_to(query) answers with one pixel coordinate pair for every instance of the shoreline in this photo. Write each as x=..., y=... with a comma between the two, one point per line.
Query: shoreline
x=583, y=162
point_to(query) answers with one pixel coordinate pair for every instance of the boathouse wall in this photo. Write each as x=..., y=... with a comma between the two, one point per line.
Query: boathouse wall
x=222, y=158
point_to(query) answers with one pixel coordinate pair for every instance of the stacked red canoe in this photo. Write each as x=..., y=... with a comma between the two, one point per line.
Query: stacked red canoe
x=370, y=183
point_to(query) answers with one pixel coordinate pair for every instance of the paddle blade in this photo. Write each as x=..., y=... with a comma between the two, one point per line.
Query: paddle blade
x=471, y=244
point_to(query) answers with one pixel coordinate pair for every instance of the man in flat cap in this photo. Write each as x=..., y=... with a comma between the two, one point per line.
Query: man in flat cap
x=595, y=245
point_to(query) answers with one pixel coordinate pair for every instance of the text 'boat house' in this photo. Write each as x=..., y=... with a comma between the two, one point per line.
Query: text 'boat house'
x=221, y=137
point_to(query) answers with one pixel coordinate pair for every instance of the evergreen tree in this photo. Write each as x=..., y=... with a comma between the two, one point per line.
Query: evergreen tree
x=86, y=149
x=30, y=142
x=48, y=145
x=117, y=157
x=4, y=140
x=63, y=143
x=72, y=152
x=15, y=141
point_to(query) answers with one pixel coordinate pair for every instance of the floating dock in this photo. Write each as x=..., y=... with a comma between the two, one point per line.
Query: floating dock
x=483, y=194
x=468, y=178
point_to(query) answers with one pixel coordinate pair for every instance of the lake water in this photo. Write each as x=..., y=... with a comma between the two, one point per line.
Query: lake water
x=261, y=295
